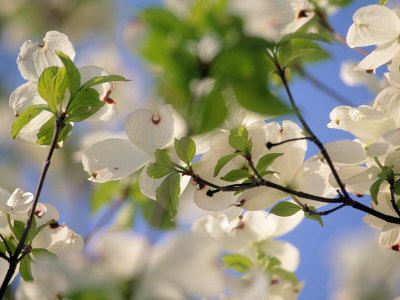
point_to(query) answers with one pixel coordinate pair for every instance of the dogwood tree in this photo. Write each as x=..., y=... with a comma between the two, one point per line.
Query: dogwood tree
x=223, y=70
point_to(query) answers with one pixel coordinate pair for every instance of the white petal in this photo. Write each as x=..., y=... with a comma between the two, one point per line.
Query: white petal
x=46, y=212
x=293, y=152
x=31, y=130
x=373, y=24
x=109, y=110
x=346, y=152
x=113, y=159
x=388, y=102
x=285, y=252
x=390, y=237
x=33, y=58
x=149, y=131
x=353, y=77
x=148, y=185
x=286, y=224
x=381, y=55
x=185, y=260
x=24, y=96
x=394, y=75
x=364, y=122
x=260, y=198
x=383, y=206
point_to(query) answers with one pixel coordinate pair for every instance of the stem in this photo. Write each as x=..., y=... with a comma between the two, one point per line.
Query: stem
x=392, y=197
x=269, y=145
x=14, y=259
x=313, y=137
x=326, y=212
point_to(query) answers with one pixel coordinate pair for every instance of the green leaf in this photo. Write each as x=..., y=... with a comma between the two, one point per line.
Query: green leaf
x=167, y=194
x=25, y=268
x=103, y=193
x=298, y=48
x=285, y=209
x=383, y=2
x=223, y=161
x=285, y=275
x=39, y=253
x=397, y=187
x=235, y=175
x=265, y=161
x=102, y=79
x=25, y=117
x=73, y=75
x=314, y=217
x=305, y=36
x=52, y=85
x=85, y=104
x=210, y=114
x=46, y=132
x=185, y=148
x=238, y=139
x=374, y=189
x=237, y=262
x=18, y=229
x=162, y=167
x=156, y=215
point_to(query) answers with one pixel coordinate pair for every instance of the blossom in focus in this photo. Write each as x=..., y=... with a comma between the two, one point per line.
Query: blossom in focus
x=375, y=25
x=33, y=59
x=114, y=158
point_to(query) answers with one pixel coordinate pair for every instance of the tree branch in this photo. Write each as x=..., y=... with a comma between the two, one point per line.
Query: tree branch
x=14, y=259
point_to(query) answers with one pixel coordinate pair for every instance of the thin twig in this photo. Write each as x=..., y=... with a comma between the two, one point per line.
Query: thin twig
x=269, y=145
x=325, y=212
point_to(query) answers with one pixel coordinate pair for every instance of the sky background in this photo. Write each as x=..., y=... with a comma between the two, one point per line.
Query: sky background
x=318, y=246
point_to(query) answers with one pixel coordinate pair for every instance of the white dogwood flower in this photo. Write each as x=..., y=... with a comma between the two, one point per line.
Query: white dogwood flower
x=375, y=25
x=32, y=60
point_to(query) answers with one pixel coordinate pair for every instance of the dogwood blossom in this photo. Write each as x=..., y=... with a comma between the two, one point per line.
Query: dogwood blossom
x=375, y=25
x=290, y=169
x=176, y=268
x=115, y=158
x=33, y=59
x=248, y=235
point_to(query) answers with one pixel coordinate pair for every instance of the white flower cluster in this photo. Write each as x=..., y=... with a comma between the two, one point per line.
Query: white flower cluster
x=49, y=234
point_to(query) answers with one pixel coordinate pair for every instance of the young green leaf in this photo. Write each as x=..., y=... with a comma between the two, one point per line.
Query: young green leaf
x=73, y=75
x=52, y=85
x=235, y=175
x=285, y=209
x=156, y=215
x=39, y=253
x=383, y=2
x=185, y=148
x=102, y=79
x=374, y=189
x=223, y=161
x=237, y=262
x=167, y=194
x=83, y=105
x=25, y=117
x=18, y=229
x=265, y=161
x=397, y=187
x=305, y=36
x=45, y=134
x=238, y=139
x=314, y=217
x=162, y=167
x=285, y=275
x=25, y=268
